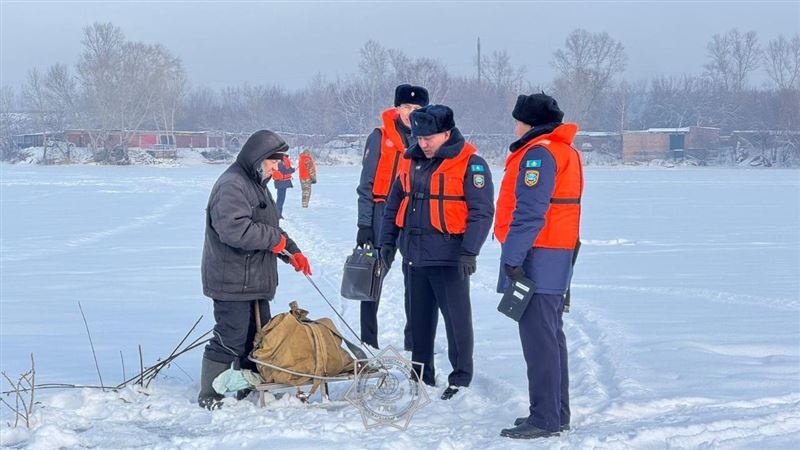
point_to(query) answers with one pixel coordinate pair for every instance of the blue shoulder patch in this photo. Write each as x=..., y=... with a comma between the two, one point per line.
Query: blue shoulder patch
x=477, y=168
x=533, y=163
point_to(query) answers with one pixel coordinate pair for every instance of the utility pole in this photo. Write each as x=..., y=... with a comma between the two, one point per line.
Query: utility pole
x=479, y=60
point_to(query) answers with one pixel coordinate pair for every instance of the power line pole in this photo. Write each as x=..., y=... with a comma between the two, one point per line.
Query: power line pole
x=479, y=60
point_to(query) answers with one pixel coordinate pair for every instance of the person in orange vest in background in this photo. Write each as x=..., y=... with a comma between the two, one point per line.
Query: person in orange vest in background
x=383, y=160
x=537, y=224
x=283, y=180
x=441, y=210
x=308, y=174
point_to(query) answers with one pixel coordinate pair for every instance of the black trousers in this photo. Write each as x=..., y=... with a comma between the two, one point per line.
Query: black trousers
x=281, y=200
x=545, y=349
x=434, y=289
x=234, y=331
x=369, y=320
x=566, y=414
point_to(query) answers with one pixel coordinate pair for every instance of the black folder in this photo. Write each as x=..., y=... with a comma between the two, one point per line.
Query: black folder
x=516, y=298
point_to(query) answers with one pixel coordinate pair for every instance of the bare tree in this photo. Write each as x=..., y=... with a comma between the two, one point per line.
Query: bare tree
x=200, y=110
x=732, y=57
x=61, y=91
x=35, y=97
x=99, y=70
x=374, y=67
x=426, y=72
x=586, y=66
x=12, y=123
x=353, y=104
x=783, y=62
x=501, y=73
x=140, y=79
x=172, y=86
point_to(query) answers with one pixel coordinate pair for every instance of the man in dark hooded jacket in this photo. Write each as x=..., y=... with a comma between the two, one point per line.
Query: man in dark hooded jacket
x=242, y=244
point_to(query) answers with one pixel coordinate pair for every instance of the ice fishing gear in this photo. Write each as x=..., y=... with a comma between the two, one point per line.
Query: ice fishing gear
x=293, y=349
x=362, y=278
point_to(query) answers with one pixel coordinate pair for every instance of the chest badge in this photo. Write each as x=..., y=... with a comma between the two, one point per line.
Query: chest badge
x=531, y=178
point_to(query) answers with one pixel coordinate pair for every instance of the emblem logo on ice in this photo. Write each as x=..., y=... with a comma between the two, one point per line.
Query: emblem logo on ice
x=385, y=391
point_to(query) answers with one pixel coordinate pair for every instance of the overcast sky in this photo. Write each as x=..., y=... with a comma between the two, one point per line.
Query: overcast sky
x=224, y=43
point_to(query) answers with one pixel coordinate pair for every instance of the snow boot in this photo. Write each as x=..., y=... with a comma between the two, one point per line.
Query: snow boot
x=208, y=397
x=527, y=431
x=449, y=392
x=521, y=420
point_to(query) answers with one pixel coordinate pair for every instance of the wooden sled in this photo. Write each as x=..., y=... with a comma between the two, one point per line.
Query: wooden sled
x=265, y=388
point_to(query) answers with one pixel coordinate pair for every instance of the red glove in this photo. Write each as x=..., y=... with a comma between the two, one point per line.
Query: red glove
x=300, y=263
x=281, y=245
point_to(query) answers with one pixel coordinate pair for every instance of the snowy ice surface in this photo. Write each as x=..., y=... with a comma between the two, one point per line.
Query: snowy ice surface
x=684, y=330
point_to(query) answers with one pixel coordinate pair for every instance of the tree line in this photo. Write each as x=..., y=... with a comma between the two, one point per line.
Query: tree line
x=118, y=84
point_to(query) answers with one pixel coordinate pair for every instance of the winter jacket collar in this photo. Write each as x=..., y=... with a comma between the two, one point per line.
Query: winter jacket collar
x=556, y=131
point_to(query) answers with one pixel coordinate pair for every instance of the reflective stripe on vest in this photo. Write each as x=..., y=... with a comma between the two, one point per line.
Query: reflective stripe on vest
x=448, y=205
x=562, y=220
x=391, y=161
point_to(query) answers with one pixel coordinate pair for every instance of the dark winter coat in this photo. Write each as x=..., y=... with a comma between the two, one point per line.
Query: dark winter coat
x=287, y=183
x=418, y=241
x=370, y=213
x=241, y=228
x=549, y=268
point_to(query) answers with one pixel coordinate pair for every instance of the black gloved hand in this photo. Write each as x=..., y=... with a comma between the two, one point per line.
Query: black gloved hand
x=364, y=236
x=387, y=256
x=467, y=265
x=514, y=272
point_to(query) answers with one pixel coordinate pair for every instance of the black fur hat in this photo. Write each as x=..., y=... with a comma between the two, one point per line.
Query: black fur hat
x=432, y=119
x=406, y=93
x=537, y=109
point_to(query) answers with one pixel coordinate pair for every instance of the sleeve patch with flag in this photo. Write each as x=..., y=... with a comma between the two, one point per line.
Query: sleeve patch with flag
x=533, y=163
x=477, y=167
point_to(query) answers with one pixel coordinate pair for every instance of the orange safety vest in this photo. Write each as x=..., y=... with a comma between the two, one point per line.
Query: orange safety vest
x=277, y=175
x=301, y=162
x=562, y=220
x=391, y=161
x=446, y=194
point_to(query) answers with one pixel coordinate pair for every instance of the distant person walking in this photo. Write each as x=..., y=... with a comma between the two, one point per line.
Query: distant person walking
x=308, y=174
x=283, y=180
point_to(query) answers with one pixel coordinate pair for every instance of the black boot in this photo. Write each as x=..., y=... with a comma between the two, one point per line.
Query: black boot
x=449, y=392
x=521, y=420
x=527, y=431
x=208, y=397
x=243, y=394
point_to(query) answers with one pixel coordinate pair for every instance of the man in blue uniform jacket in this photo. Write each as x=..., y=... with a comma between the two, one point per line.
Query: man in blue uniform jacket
x=439, y=213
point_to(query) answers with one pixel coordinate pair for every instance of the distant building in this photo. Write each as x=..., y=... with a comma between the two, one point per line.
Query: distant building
x=158, y=143
x=609, y=142
x=669, y=143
